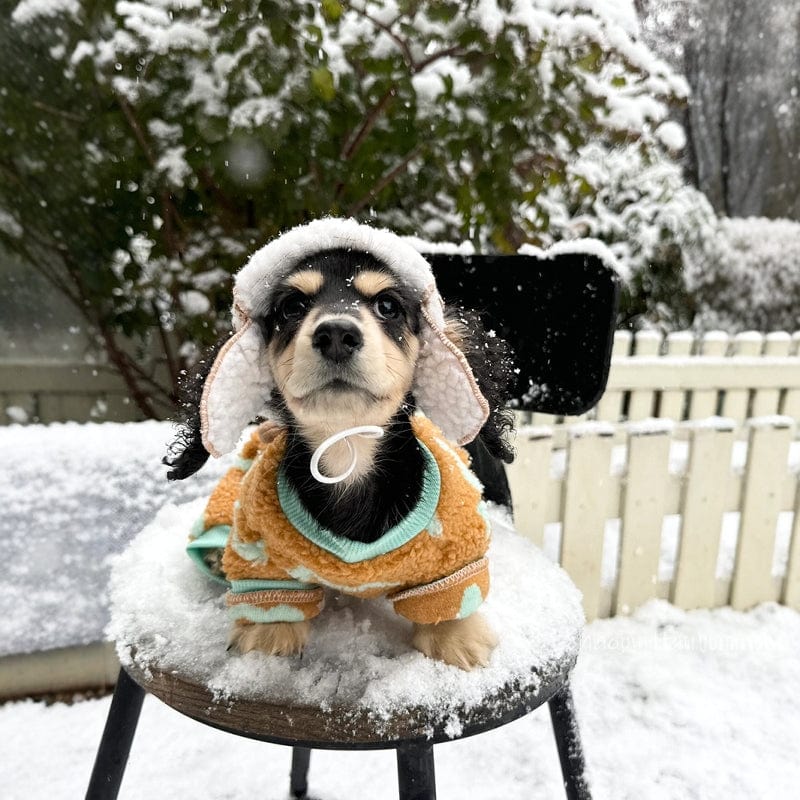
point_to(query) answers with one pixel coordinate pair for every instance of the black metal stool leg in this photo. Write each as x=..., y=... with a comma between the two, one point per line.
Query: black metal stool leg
x=298, y=782
x=112, y=755
x=568, y=741
x=416, y=779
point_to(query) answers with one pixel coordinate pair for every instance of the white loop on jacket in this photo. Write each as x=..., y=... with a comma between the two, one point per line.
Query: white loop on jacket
x=367, y=431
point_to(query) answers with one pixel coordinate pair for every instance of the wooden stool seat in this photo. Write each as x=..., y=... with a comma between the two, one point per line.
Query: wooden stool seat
x=359, y=684
x=345, y=727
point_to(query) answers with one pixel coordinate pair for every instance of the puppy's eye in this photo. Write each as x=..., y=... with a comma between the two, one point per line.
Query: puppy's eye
x=386, y=307
x=294, y=306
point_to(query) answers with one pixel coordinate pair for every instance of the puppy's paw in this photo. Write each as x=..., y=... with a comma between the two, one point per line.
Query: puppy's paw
x=465, y=643
x=272, y=638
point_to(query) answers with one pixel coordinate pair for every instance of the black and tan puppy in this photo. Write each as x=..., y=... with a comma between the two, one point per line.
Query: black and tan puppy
x=341, y=338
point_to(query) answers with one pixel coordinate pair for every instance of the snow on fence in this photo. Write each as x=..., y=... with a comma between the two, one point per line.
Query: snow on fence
x=687, y=377
x=686, y=513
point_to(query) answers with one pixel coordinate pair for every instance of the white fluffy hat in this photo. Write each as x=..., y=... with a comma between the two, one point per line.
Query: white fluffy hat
x=240, y=382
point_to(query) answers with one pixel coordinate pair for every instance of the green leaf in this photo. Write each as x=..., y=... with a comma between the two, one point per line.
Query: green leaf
x=322, y=83
x=331, y=10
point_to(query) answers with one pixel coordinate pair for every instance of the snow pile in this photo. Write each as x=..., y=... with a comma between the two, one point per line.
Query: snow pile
x=748, y=277
x=359, y=654
x=73, y=496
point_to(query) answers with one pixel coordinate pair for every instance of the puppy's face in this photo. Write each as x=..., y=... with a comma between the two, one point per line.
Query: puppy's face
x=342, y=341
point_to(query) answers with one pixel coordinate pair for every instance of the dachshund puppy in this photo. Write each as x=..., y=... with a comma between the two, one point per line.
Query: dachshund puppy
x=341, y=337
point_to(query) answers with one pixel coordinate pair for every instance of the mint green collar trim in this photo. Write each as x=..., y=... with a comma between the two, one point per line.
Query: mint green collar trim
x=346, y=549
x=253, y=585
x=212, y=539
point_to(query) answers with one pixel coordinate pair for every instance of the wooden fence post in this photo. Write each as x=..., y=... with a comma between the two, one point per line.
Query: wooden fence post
x=642, y=404
x=585, y=503
x=644, y=500
x=791, y=403
x=737, y=401
x=610, y=406
x=791, y=586
x=702, y=509
x=704, y=401
x=673, y=402
x=528, y=477
x=767, y=401
x=767, y=456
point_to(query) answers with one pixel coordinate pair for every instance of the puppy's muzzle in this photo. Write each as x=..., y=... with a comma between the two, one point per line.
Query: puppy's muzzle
x=337, y=339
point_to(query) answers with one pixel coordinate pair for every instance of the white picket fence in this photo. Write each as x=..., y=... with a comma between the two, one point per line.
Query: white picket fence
x=686, y=513
x=682, y=483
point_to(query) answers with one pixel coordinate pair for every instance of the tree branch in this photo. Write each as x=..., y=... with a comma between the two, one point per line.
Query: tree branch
x=426, y=62
x=168, y=204
x=384, y=181
x=413, y=65
x=172, y=365
x=368, y=123
x=351, y=147
x=57, y=112
x=382, y=26
x=213, y=188
x=148, y=379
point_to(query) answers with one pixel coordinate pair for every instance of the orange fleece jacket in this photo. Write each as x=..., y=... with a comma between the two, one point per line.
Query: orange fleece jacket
x=277, y=558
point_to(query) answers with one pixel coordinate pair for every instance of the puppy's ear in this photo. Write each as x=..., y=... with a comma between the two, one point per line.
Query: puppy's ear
x=187, y=454
x=492, y=363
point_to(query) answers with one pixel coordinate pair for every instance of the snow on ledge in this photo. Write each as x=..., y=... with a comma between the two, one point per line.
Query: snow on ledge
x=359, y=654
x=711, y=423
x=591, y=428
x=771, y=421
x=650, y=426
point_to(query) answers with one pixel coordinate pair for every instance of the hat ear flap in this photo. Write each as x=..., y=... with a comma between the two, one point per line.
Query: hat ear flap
x=444, y=386
x=237, y=389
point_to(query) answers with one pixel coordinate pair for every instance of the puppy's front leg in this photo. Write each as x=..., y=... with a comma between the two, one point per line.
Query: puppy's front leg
x=464, y=643
x=272, y=638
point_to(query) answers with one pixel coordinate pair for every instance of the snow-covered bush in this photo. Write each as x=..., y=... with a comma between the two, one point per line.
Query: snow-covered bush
x=148, y=145
x=638, y=202
x=748, y=276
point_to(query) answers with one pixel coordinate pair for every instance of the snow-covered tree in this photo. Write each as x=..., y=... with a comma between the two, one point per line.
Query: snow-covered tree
x=148, y=146
x=743, y=120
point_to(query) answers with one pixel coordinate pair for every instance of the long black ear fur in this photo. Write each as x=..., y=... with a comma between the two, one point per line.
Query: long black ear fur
x=186, y=454
x=492, y=363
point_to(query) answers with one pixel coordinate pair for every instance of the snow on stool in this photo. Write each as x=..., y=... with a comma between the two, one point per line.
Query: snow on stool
x=359, y=684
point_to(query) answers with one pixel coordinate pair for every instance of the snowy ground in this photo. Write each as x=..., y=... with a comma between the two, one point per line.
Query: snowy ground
x=672, y=705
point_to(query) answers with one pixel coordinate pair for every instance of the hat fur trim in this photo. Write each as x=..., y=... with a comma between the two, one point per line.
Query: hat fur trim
x=237, y=389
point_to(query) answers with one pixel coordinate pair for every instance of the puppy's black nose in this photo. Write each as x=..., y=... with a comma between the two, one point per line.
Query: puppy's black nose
x=337, y=339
